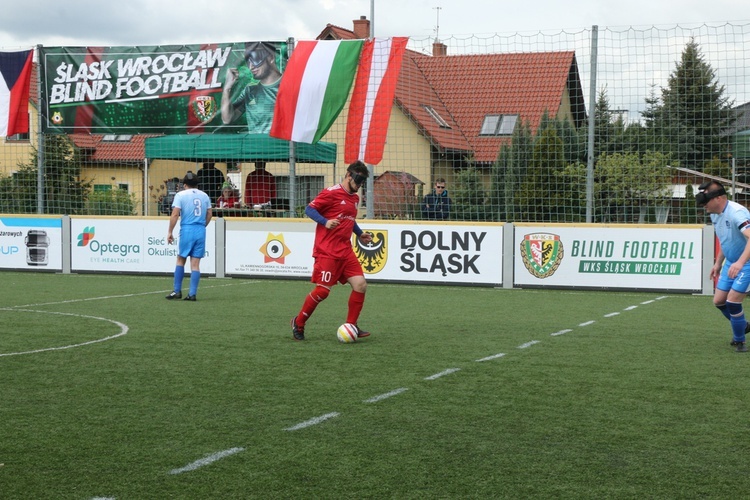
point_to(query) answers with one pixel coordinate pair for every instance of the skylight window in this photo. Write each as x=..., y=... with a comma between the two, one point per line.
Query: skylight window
x=498, y=124
x=436, y=116
x=117, y=138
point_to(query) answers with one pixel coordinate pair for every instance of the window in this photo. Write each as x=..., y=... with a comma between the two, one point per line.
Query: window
x=117, y=138
x=436, y=116
x=102, y=188
x=307, y=187
x=498, y=124
x=19, y=137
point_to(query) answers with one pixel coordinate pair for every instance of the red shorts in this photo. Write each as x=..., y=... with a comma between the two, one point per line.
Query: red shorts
x=328, y=271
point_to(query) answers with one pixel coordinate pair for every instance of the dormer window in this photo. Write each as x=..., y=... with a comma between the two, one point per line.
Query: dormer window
x=436, y=116
x=498, y=124
x=117, y=138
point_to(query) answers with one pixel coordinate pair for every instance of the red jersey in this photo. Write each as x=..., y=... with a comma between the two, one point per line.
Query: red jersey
x=260, y=187
x=335, y=202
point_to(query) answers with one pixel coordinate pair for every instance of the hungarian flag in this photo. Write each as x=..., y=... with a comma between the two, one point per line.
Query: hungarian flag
x=372, y=99
x=314, y=88
x=15, y=78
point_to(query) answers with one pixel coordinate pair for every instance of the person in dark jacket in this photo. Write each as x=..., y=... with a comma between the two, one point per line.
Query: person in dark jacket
x=437, y=204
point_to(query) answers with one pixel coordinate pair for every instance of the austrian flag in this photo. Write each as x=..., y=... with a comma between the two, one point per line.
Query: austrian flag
x=314, y=89
x=372, y=99
x=15, y=79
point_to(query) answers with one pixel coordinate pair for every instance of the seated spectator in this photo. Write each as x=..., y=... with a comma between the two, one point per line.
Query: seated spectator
x=228, y=199
x=260, y=186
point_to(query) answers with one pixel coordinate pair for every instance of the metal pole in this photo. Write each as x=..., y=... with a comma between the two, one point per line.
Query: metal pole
x=39, y=137
x=292, y=162
x=145, y=187
x=370, y=208
x=592, y=119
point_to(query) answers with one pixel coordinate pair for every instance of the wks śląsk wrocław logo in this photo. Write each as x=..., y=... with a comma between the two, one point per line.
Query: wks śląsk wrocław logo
x=542, y=254
x=204, y=108
x=274, y=249
x=374, y=255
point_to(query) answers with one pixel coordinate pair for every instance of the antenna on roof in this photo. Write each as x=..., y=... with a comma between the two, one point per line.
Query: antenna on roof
x=437, y=26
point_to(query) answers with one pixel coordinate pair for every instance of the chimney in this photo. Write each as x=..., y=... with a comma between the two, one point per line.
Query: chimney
x=439, y=49
x=362, y=27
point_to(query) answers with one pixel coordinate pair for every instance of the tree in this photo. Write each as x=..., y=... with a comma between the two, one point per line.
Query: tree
x=468, y=197
x=64, y=191
x=694, y=112
x=533, y=196
x=510, y=167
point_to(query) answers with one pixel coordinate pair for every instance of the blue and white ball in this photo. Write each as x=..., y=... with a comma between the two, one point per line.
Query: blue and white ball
x=347, y=333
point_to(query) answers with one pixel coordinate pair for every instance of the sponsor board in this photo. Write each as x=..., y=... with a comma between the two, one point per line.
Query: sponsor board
x=451, y=254
x=609, y=257
x=133, y=246
x=31, y=242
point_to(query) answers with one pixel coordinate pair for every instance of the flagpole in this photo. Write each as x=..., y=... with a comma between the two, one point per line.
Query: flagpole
x=370, y=208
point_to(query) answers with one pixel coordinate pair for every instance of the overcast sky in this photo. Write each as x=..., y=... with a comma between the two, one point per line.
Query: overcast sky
x=153, y=22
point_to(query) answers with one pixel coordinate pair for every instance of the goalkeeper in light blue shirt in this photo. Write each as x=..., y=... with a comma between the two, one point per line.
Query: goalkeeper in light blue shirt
x=731, y=223
x=192, y=207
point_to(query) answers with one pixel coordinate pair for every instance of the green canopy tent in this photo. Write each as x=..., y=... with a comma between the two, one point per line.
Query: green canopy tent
x=232, y=148
x=224, y=148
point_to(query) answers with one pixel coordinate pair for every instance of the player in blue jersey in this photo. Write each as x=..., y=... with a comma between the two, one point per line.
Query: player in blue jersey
x=193, y=209
x=731, y=223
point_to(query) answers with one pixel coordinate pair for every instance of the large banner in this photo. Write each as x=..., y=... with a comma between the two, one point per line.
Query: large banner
x=624, y=257
x=131, y=246
x=28, y=242
x=450, y=254
x=172, y=89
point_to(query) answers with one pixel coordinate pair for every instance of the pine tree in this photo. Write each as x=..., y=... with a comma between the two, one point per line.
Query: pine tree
x=694, y=112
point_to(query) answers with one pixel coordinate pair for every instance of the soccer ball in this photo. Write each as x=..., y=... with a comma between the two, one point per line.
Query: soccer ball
x=347, y=333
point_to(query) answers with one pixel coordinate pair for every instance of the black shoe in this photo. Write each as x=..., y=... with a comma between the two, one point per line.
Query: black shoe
x=191, y=298
x=361, y=333
x=734, y=343
x=741, y=347
x=297, y=332
x=174, y=295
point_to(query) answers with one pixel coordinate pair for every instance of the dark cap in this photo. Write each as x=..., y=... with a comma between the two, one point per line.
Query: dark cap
x=190, y=179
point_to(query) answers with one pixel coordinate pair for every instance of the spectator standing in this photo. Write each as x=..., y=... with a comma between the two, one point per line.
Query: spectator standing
x=437, y=204
x=260, y=186
x=210, y=181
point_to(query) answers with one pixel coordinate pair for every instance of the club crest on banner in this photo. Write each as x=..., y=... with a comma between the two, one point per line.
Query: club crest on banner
x=374, y=255
x=542, y=254
x=204, y=108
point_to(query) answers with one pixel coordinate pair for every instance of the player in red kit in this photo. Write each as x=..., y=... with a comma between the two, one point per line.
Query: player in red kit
x=335, y=211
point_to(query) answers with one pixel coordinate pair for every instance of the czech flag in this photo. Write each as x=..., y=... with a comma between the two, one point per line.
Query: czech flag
x=15, y=79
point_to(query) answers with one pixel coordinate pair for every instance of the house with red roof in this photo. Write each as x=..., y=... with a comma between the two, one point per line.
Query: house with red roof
x=451, y=111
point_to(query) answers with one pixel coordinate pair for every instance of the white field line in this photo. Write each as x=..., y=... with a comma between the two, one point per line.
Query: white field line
x=312, y=421
x=494, y=356
x=561, y=332
x=528, y=344
x=647, y=302
x=587, y=323
x=612, y=315
x=630, y=308
x=123, y=331
x=207, y=460
x=442, y=373
x=123, y=296
x=387, y=395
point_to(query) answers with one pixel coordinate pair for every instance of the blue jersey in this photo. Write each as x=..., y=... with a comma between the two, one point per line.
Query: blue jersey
x=193, y=204
x=729, y=227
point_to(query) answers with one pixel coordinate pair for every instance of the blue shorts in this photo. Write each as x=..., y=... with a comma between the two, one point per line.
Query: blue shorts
x=740, y=283
x=192, y=241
